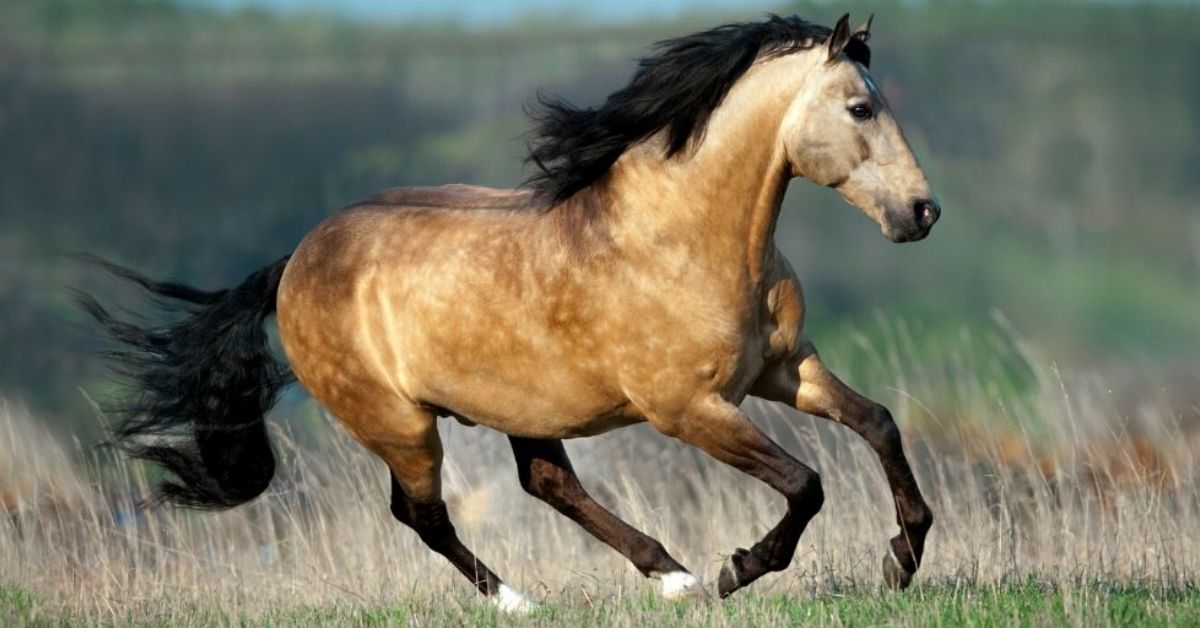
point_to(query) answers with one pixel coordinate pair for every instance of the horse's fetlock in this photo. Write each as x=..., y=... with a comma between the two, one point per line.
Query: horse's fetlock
x=651, y=558
x=920, y=520
x=816, y=498
x=777, y=561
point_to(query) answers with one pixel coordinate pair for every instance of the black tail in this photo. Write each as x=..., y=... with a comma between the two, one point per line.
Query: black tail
x=201, y=386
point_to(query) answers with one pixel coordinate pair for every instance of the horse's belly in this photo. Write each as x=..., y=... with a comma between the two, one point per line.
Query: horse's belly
x=522, y=397
x=530, y=424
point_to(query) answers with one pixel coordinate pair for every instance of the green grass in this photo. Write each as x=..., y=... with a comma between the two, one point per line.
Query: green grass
x=1026, y=603
x=17, y=606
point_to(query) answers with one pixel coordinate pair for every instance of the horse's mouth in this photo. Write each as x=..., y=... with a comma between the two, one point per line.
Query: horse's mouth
x=906, y=233
x=912, y=235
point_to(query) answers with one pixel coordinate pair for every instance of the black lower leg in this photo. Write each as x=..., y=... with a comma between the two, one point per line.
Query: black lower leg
x=546, y=473
x=804, y=382
x=432, y=523
x=913, y=515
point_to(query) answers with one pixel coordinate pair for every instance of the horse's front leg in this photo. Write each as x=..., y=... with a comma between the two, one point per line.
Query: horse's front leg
x=721, y=430
x=803, y=382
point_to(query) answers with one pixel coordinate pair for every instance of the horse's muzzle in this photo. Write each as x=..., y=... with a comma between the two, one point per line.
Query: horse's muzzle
x=926, y=211
x=916, y=222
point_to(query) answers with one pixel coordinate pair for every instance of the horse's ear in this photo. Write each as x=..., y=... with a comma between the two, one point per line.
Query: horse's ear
x=863, y=33
x=839, y=38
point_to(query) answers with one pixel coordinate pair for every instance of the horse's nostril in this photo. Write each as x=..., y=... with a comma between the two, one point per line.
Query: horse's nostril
x=926, y=212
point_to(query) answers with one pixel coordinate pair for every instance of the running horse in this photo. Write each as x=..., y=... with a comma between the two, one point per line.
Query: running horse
x=634, y=278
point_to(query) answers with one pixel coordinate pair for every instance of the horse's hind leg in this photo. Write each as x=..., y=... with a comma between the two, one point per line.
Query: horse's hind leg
x=410, y=444
x=806, y=384
x=546, y=473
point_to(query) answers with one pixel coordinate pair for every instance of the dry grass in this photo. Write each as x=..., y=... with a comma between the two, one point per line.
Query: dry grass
x=1061, y=482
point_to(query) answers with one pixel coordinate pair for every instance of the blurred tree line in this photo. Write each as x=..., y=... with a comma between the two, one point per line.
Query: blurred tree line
x=193, y=144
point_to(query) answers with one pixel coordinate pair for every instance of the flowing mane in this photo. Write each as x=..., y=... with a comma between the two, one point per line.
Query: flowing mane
x=675, y=88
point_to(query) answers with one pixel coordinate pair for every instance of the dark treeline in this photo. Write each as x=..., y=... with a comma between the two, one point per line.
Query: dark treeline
x=197, y=145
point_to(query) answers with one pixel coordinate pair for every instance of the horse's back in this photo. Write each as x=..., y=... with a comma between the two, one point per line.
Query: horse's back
x=453, y=196
x=408, y=227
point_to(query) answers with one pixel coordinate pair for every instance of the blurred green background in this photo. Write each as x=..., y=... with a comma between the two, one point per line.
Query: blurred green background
x=198, y=140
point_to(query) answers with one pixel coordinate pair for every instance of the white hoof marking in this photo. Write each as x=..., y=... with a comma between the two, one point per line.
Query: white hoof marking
x=681, y=585
x=511, y=601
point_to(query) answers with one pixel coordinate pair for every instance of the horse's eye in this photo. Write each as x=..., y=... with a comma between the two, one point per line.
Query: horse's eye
x=862, y=112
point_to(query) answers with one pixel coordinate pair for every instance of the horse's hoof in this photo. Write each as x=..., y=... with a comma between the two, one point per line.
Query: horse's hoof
x=894, y=574
x=728, y=581
x=681, y=585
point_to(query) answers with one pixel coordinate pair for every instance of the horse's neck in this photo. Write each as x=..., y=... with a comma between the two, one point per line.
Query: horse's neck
x=717, y=203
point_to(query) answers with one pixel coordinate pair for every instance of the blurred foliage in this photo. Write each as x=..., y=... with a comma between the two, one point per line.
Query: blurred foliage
x=196, y=145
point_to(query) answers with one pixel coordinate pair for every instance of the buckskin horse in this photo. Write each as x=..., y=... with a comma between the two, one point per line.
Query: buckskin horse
x=634, y=278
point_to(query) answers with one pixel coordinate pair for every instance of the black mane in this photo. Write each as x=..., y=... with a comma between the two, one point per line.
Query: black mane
x=676, y=88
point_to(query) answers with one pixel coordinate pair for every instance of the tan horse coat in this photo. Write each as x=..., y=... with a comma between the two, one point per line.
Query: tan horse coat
x=656, y=294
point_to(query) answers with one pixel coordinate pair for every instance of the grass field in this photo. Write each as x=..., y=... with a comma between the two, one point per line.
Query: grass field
x=1058, y=499
x=944, y=604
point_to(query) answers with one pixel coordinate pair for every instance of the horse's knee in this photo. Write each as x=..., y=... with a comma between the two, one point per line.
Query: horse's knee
x=880, y=430
x=431, y=521
x=804, y=493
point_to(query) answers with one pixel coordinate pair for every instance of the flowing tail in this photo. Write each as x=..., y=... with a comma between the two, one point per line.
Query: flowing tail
x=201, y=386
